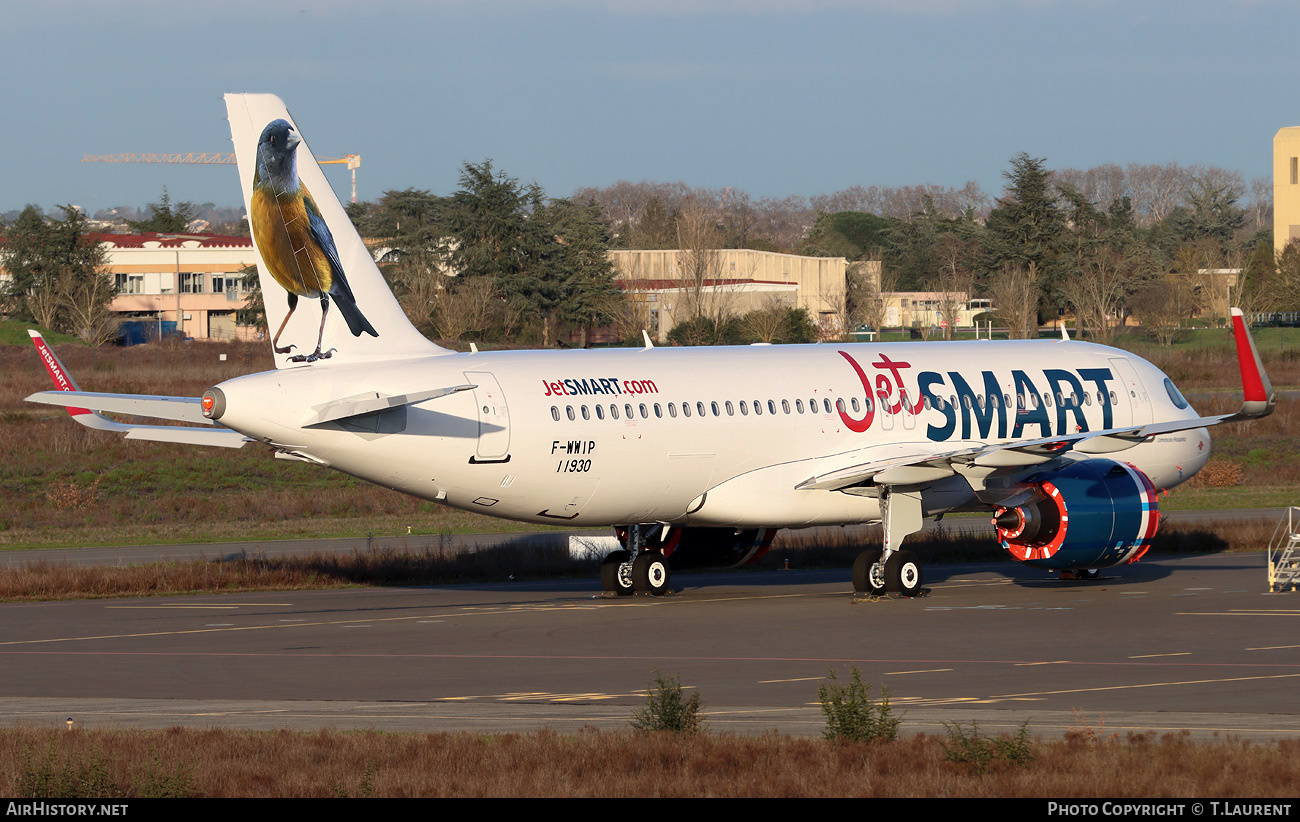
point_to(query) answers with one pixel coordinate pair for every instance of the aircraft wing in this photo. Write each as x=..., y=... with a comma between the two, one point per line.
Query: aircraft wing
x=924, y=467
x=84, y=407
x=183, y=409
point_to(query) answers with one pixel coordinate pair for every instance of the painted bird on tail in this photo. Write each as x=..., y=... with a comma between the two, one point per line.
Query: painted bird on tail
x=294, y=241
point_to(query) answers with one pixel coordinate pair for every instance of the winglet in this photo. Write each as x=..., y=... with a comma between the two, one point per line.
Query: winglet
x=62, y=379
x=645, y=335
x=1259, y=399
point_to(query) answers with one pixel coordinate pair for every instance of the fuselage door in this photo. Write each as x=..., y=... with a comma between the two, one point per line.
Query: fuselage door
x=1131, y=392
x=493, y=416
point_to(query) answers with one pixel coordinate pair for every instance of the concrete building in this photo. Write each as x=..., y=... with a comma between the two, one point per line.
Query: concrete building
x=195, y=281
x=740, y=280
x=924, y=309
x=1286, y=186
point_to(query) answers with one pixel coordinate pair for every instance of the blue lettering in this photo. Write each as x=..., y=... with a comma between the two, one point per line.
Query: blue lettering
x=937, y=433
x=1032, y=413
x=1064, y=404
x=1099, y=377
x=982, y=412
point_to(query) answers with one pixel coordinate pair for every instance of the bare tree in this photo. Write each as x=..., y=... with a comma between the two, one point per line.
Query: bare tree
x=1014, y=292
x=1163, y=304
x=954, y=281
x=868, y=284
x=88, y=306
x=699, y=265
x=1156, y=188
x=768, y=323
x=45, y=301
x=633, y=315
x=1097, y=294
x=471, y=306
x=1261, y=196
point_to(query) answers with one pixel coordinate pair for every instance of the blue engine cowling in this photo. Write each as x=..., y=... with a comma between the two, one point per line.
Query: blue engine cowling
x=1089, y=514
x=690, y=548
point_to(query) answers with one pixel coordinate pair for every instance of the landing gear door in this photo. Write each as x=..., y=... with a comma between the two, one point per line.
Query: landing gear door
x=493, y=417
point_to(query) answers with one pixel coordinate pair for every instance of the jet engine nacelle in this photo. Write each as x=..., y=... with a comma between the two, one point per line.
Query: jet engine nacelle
x=697, y=547
x=1090, y=514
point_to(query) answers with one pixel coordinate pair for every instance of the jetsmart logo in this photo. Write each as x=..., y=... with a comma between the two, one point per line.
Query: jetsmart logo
x=985, y=403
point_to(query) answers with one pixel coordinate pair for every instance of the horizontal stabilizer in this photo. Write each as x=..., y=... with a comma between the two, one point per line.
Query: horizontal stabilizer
x=183, y=409
x=372, y=402
x=220, y=437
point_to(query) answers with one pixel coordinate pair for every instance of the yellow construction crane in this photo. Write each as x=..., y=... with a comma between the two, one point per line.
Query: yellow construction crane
x=353, y=161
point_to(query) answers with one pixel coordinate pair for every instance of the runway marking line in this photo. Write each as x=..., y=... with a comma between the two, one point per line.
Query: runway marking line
x=929, y=671
x=1155, y=685
x=779, y=681
x=1152, y=656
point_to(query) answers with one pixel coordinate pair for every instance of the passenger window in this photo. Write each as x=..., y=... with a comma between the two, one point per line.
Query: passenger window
x=569, y=410
x=771, y=407
x=672, y=410
x=855, y=405
x=659, y=412
x=555, y=413
x=586, y=415
x=714, y=406
x=785, y=406
x=826, y=403
x=699, y=406
x=613, y=411
x=686, y=409
x=731, y=411
x=744, y=408
x=839, y=403
x=798, y=404
x=600, y=415
x=644, y=415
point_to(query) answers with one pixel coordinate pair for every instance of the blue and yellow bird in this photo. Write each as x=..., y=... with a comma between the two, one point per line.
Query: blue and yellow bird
x=295, y=243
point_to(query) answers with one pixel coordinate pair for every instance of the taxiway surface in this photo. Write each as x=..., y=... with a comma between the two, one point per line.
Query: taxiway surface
x=1191, y=643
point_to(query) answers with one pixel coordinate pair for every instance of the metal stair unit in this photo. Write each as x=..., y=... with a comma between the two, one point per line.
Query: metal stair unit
x=1284, y=553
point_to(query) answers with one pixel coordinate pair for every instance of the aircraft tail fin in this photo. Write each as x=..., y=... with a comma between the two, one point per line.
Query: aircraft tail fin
x=1258, y=399
x=326, y=300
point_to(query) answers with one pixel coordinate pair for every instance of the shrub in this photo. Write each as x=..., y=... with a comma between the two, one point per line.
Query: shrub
x=1217, y=474
x=981, y=752
x=851, y=715
x=665, y=710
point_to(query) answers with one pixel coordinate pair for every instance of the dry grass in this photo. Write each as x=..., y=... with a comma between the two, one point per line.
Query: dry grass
x=221, y=763
x=51, y=580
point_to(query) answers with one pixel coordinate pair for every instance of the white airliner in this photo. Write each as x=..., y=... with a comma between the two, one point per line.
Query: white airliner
x=695, y=455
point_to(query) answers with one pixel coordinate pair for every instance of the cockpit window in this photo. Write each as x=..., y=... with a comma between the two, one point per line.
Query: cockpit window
x=1174, y=394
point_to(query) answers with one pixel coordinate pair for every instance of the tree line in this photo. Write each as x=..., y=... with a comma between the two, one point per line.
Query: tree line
x=499, y=259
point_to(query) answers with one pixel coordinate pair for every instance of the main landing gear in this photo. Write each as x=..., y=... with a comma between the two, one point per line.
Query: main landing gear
x=640, y=569
x=892, y=570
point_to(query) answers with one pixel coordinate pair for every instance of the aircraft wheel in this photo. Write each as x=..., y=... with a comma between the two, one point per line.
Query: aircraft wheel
x=903, y=574
x=650, y=574
x=615, y=575
x=868, y=574
x=1088, y=573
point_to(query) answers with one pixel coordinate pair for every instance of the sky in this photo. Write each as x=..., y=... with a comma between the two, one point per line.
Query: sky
x=771, y=97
